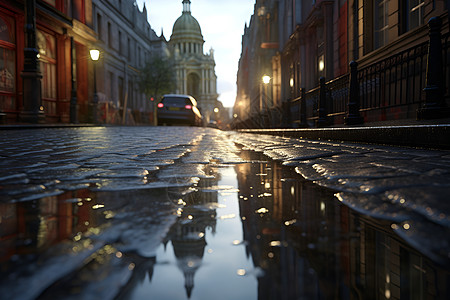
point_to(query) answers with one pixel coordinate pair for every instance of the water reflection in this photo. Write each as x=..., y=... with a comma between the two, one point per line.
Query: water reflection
x=275, y=237
x=187, y=235
x=312, y=247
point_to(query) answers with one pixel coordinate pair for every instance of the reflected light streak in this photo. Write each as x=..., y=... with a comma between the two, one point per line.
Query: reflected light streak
x=262, y=210
x=229, y=216
x=290, y=222
x=241, y=272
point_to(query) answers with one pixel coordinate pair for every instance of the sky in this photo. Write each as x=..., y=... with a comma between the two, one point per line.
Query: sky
x=222, y=23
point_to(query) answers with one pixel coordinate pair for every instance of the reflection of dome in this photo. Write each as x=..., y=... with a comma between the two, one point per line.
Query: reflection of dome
x=187, y=27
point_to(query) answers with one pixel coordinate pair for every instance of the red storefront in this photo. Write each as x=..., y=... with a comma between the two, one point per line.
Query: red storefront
x=63, y=37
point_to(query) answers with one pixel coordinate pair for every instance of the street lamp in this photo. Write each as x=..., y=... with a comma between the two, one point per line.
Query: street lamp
x=95, y=54
x=265, y=80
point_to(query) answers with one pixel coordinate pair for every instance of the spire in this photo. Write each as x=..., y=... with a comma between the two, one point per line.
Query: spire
x=186, y=6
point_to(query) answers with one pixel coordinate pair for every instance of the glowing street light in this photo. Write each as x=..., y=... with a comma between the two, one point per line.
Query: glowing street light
x=95, y=54
x=266, y=79
x=216, y=109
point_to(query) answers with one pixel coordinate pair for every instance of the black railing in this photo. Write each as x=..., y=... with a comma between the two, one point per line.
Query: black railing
x=393, y=88
x=395, y=81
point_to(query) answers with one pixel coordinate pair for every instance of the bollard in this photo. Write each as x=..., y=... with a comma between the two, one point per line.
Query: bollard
x=434, y=106
x=353, y=116
x=322, y=110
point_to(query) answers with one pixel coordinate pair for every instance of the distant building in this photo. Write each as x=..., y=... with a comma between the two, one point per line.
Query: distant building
x=195, y=73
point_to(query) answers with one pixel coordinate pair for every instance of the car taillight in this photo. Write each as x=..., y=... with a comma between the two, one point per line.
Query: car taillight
x=160, y=105
x=188, y=106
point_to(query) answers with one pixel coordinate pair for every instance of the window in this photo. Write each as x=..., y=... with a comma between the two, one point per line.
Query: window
x=120, y=42
x=46, y=44
x=65, y=6
x=109, y=35
x=7, y=64
x=381, y=22
x=414, y=13
x=79, y=10
x=99, y=27
x=129, y=48
x=139, y=56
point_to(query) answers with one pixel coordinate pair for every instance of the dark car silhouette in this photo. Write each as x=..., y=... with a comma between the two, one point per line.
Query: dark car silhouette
x=174, y=109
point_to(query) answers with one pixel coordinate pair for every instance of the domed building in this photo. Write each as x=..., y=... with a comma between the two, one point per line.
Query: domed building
x=195, y=73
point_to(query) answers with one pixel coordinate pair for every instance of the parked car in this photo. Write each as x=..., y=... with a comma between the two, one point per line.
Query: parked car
x=174, y=109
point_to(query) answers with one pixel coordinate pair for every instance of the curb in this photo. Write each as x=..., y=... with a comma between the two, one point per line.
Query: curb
x=423, y=136
x=45, y=126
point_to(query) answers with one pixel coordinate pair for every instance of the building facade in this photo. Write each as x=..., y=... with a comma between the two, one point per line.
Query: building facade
x=47, y=74
x=319, y=39
x=61, y=39
x=126, y=42
x=195, y=74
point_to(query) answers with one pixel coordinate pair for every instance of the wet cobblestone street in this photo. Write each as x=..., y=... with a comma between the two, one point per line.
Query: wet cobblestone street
x=199, y=213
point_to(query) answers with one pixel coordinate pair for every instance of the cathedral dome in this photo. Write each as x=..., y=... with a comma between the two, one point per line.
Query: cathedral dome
x=186, y=27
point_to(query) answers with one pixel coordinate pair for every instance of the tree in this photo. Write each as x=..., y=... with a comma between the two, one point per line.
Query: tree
x=157, y=77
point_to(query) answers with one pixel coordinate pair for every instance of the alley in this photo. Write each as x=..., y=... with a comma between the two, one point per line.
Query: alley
x=199, y=213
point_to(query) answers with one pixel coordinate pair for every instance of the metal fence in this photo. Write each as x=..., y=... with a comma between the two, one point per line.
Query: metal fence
x=395, y=83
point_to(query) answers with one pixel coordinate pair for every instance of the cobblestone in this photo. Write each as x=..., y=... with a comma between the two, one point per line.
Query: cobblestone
x=405, y=185
x=400, y=184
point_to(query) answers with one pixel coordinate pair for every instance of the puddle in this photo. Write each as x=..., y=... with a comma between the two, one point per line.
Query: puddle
x=245, y=231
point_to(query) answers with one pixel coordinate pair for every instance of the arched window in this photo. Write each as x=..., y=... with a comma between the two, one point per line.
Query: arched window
x=46, y=44
x=193, y=85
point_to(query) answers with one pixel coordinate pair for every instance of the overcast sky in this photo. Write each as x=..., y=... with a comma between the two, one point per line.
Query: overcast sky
x=222, y=23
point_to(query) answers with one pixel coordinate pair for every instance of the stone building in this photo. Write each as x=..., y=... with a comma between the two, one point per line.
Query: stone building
x=386, y=38
x=195, y=74
x=126, y=42
x=59, y=86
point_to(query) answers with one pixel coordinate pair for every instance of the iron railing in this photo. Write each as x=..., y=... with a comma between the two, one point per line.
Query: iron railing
x=394, y=84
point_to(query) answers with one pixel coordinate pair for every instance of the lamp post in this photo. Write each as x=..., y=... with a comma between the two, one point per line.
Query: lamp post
x=265, y=80
x=32, y=109
x=95, y=54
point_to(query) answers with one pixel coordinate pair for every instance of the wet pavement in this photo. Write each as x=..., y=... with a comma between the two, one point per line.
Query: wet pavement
x=180, y=212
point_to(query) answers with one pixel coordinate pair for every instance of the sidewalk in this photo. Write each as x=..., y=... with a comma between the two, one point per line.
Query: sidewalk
x=42, y=126
x=433, y=134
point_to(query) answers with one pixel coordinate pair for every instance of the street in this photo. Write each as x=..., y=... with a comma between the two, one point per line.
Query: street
x=199, y=213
